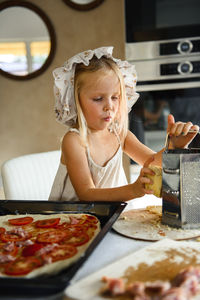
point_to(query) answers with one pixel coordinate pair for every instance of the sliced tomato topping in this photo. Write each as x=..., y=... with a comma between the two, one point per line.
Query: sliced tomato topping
x=78, y=240
x=62, y=225
x=77, y=229
x=31, y=249
x=9, y=249
x=91, y=219
x=22, y=266
x=61, y=252
x=2, y=230
x=14, y=237
x=53, y=236
x=47, y=223
x=91, y=230
x=21, y=221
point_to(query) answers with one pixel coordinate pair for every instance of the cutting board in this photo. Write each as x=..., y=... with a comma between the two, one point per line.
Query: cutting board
x=166, y=256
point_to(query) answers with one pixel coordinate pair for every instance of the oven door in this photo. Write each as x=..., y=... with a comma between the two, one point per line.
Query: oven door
x=161, y=19
x=148, y=118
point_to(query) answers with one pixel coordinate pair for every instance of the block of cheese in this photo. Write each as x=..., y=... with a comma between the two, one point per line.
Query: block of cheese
x=157, y=179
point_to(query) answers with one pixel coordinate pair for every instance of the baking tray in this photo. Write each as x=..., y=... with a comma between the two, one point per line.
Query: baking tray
x=44, y=286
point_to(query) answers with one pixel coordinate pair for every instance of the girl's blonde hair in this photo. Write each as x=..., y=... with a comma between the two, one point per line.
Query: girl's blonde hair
x=121, y=121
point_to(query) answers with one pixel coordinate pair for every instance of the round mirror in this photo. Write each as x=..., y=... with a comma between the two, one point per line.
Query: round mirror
x=83, y=4
x=27, y=40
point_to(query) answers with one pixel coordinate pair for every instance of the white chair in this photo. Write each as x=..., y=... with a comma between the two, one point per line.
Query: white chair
x=30, y=177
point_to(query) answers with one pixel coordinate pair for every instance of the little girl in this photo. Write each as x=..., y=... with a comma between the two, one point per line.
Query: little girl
x=94, y=93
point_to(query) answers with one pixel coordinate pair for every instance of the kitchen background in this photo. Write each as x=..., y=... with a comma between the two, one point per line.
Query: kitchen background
x=27, y=121
x=163, y=42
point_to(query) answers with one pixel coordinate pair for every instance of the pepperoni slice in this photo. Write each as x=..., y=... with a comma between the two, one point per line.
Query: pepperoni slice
x=21, y=221
x=47, y=223
x=22, y=266
x=53, y=236
x=31, y=249
x=61, y=252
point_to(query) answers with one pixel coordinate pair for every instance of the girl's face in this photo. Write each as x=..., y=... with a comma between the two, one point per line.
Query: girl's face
x=99, y=98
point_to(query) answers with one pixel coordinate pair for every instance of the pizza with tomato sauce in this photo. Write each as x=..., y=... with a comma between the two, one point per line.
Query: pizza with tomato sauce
x=33, y=245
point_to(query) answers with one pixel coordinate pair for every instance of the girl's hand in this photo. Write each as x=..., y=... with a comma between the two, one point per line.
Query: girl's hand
x=139, y=184
x=180, y=137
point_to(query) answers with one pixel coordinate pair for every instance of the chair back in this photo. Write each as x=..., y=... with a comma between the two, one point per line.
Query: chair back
x=30, y=177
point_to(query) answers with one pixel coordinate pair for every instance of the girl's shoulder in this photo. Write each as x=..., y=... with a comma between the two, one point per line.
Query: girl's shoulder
x=71, y=146
x=71, y=139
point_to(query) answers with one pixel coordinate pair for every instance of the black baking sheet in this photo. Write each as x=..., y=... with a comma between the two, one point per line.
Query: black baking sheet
x=106, y=212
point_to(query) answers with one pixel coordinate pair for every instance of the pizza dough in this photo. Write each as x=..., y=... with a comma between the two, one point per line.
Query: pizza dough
x=157, y=179
x=91, y=228
x=145, y=224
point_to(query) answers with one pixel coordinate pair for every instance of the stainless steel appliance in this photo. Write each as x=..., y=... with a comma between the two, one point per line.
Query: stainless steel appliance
x=180, y=188
x=151, y=20
x=163, y=42
x=166, y=64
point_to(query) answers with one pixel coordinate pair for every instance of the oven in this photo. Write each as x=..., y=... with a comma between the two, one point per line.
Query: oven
x=163, y=42
x=148, y=118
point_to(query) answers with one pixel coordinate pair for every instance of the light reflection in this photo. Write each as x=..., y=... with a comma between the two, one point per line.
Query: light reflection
x=24, y=43
x=14, y=57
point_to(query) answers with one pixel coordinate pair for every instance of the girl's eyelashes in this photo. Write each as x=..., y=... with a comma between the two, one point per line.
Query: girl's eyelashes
x=98, y=98
x=101, y=98
x=115, y=97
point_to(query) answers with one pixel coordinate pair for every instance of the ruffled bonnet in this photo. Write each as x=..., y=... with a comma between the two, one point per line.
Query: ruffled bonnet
x=65, y=106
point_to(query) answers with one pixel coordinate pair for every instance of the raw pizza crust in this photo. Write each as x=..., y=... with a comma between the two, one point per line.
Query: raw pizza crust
x=55, y=267
x=145, y=224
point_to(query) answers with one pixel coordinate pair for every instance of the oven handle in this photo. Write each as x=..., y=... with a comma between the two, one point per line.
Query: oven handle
x=167, y=86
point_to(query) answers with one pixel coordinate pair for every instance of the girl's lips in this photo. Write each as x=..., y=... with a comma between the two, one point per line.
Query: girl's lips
x=107, y=119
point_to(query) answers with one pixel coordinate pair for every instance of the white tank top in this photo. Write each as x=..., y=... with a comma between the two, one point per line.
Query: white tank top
x=108, y=176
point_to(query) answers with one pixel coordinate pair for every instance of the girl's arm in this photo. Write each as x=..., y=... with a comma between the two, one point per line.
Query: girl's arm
x=75, y=159
x=136, y=150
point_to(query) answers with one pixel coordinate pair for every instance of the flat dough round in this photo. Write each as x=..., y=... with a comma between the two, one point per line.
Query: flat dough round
x=145, y=224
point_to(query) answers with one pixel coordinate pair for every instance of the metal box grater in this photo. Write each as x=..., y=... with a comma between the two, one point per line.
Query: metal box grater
x=181, y=188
